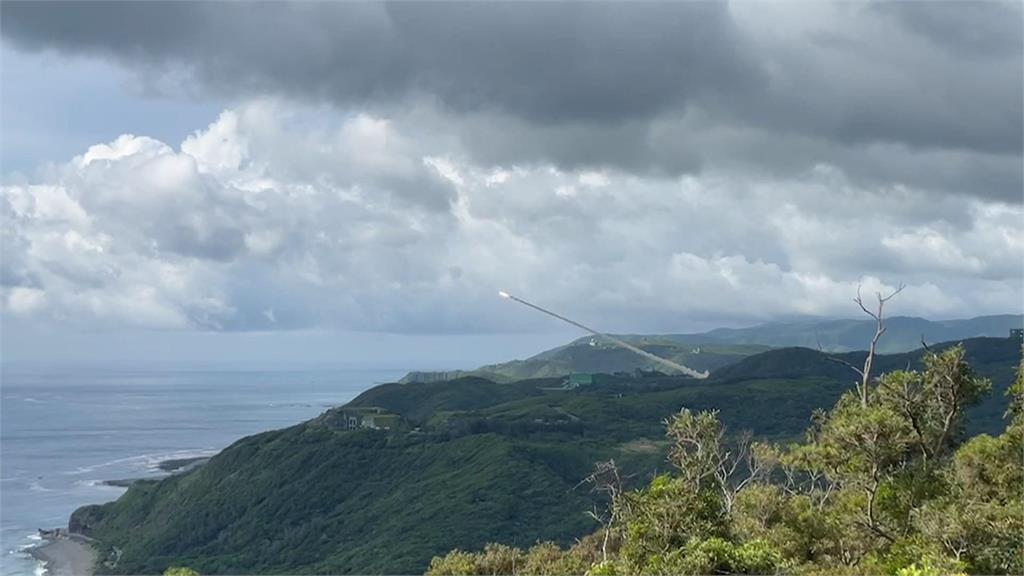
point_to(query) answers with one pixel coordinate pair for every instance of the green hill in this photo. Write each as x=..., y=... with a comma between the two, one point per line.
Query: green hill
x=593, y=355
x=721, y=347
x=472, y=461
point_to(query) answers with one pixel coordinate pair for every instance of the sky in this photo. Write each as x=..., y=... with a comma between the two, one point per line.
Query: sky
x=352, y=183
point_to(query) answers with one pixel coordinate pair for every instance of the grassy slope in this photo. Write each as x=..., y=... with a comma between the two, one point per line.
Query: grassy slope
x=497, y=462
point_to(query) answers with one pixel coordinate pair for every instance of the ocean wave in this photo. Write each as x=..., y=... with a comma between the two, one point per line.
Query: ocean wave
x=149, y=462
x=145, y=460
x=35, y=486
x=31, y=399
x=153, y=464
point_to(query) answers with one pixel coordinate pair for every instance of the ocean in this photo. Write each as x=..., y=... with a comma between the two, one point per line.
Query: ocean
x=63, y=432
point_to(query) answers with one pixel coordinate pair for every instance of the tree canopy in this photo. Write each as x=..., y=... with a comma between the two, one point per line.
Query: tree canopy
x=883, y=482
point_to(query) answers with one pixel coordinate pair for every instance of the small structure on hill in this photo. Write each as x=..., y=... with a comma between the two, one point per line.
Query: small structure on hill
x=359, y=417
x=574, y=381
x=1017, y=333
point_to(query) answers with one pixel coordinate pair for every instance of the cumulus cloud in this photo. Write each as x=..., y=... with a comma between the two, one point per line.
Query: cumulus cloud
x=280, y=217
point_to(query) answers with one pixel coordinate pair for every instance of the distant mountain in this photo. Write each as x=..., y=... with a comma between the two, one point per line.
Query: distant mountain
x=903, y=333
x=723, y=346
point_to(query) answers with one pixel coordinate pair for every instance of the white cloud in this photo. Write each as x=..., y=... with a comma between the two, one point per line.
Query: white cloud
x=275, y=218
x=24, y=301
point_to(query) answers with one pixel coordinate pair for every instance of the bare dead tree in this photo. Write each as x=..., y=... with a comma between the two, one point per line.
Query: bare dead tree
x=744, y=464
x=879, y=317
x=705, y=458
x=608, y=481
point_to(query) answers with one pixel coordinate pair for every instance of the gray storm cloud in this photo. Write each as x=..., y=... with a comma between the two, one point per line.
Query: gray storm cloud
x=664, y=88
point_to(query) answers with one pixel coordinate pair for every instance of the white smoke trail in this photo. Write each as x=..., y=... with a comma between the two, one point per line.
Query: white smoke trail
x=665, y=362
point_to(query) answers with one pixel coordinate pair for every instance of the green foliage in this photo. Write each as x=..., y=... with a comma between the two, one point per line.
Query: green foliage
x=543, y=559
x=179, y=571
x=1015, y=411
x=882, y=484
x=925, y=569
x=668, y=515
x=696, y=448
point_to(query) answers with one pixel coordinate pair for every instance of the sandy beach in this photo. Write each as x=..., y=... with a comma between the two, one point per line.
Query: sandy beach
x=68, y=556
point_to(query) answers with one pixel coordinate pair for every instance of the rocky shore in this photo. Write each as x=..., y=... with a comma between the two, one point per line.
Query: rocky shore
x=64, y=554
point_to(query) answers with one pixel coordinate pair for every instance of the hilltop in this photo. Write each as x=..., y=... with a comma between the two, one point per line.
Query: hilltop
x=723, y=346
x=593, y=355
x=461, y=463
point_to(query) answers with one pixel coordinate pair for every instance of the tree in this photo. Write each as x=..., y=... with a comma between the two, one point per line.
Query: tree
x=878, y=315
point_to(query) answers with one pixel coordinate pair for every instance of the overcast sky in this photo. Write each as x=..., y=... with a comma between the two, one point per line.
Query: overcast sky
x=230, y=180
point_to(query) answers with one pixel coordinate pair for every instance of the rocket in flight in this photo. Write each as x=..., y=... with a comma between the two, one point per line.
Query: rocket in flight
x=663, y=361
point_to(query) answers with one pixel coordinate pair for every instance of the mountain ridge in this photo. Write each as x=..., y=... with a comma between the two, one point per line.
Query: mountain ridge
x=722, y=346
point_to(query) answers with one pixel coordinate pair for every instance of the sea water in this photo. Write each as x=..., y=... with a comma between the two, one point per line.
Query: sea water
x=63, y=431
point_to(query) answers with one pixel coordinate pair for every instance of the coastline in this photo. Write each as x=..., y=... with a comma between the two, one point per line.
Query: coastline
x=70, y=555
x=50, y=473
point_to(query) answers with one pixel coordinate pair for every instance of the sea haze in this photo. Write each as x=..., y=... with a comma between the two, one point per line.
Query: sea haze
x=63, y=431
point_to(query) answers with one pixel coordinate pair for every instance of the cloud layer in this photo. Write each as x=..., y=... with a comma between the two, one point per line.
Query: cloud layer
x=278, y=217
x=648, y=166
x=926, y=94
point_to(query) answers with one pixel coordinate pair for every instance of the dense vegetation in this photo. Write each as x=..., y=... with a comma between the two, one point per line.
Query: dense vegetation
x=475, y=462
x=883, y=483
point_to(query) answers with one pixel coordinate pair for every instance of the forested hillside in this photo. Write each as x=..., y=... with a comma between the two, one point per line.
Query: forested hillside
x=471, y=462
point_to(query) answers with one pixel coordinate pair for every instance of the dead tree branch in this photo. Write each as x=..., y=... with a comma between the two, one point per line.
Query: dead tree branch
x=879, y=316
